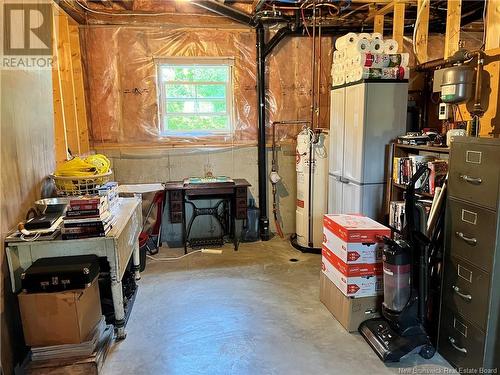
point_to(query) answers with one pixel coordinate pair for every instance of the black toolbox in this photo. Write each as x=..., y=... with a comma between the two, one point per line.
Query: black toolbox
x=60, y=273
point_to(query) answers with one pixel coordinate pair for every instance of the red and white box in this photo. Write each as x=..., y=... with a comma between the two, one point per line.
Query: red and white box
x=352, y=252
x=359, y=280
x=355, y=228
x=354, y=238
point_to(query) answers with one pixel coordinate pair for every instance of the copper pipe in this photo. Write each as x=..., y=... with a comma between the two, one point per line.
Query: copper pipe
x=313, y=66
x=318, y=85
x=478, y=108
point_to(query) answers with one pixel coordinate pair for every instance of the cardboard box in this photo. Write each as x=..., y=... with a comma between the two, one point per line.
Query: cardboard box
x=352, y=252
x=362, y=283
x=60, y=318
x=350, y=312
x=355, y=228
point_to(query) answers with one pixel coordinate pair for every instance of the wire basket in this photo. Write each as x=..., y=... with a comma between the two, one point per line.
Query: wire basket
x=80, y=185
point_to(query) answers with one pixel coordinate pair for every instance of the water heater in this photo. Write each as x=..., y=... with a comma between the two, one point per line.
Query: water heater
x=309, y=224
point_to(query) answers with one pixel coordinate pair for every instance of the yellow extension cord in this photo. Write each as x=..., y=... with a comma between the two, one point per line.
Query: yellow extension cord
x=78, y=167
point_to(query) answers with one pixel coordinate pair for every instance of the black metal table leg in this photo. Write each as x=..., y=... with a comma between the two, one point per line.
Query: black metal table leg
x=184, y=237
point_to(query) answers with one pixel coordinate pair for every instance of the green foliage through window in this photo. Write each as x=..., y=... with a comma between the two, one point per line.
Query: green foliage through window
x=195, y=98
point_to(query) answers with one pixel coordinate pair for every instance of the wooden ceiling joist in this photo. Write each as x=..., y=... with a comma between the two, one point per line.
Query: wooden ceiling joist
x=453, y=19
x=398, y=24
x=378, y=24
x=422, y=32
x=387, y=8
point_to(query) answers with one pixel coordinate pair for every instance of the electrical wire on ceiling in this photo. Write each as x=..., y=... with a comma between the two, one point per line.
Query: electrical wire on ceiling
x=84, y=7
x=484, y=24
x=354, y=11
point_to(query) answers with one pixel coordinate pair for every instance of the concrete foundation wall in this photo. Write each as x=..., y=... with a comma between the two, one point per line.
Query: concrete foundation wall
x=238, y=162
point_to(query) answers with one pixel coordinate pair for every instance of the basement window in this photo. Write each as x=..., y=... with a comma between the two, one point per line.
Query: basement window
x=195, y=96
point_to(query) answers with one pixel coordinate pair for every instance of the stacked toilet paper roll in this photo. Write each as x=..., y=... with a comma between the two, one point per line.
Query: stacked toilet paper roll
x=367, y=56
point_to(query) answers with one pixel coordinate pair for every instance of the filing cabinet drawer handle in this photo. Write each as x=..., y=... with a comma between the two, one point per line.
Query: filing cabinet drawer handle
x=471, y=180
x=456, y=289
x=455, y=346
x=469, y=240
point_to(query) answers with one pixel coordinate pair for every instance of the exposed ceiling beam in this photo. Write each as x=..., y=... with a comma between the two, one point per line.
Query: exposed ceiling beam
x=257, y=5
x=224, y=10
x=388, y=8
x=76, y=14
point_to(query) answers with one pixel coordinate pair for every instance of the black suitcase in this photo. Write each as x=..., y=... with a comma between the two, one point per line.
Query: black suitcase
x=60, y=273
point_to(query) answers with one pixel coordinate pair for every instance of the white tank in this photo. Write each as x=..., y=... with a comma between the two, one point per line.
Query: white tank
x=319, y=187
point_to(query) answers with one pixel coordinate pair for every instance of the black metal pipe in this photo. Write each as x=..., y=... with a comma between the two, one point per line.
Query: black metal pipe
x=311, y=148
x=261, y=104
x=459, y=56
x=478, y=109
x=273, y=42
x=224, y=10
x=259, y=5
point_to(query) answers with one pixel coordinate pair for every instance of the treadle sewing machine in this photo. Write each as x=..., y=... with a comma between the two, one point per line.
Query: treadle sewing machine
x=231, y=196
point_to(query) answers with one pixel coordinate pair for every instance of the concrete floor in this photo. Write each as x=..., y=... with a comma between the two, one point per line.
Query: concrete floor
x=246, y=312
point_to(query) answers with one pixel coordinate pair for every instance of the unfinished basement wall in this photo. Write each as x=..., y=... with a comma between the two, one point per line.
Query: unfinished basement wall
x=122, y=92
x=27, y=157
x=124, y=126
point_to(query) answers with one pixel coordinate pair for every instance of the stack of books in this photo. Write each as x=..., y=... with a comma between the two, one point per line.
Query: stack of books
x=405, y=167
x=109, y=190
x=86, y=348
x=397, y=218
x=87, y=217
x=85, y=358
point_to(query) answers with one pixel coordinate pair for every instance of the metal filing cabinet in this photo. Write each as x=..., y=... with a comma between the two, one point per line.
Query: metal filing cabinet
x=469, y=330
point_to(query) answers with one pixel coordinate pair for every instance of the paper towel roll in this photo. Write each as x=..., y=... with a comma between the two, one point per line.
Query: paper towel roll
x=365, y=36
x=368, y=59
x=377, y=36
x=385, y=73
x=357, y=74
x=371, y=73
x=338, y=55
x=376, y=46
x=380, y=60
x=338, y=69
x=338, y=80
x=405, y=59
x=348, y=76
x=361, y=45
x=398, y=59
x=390, y=46
x=346, y=40
x=398, y=72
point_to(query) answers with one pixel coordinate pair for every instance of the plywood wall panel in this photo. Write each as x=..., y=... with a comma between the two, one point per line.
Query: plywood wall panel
x=27, y=156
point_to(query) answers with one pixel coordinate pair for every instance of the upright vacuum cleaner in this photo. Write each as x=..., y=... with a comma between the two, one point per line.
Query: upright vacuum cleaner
x=402, y=328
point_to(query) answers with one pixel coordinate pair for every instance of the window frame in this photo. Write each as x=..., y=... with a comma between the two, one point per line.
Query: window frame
x=190, y=63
